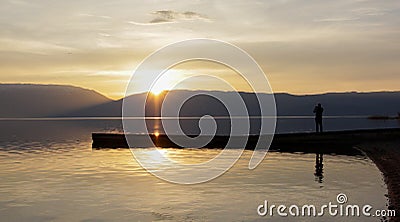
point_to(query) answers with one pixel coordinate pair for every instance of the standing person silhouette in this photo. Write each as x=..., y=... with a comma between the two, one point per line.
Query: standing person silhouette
x=318, y=110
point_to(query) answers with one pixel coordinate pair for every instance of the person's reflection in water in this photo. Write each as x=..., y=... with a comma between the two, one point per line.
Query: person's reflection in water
x=319, y=167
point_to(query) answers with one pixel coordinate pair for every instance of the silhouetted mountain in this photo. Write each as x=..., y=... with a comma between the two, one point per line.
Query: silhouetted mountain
x=337, y=104
x=198, y=105
x=28, y=100
x=31, y=100
x=375, y=103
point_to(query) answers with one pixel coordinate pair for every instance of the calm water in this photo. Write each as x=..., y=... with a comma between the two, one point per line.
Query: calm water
x=49, y=172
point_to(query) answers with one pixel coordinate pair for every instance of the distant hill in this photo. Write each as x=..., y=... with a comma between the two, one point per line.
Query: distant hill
x=31, y=100
x=28, y=100
x=375, y=103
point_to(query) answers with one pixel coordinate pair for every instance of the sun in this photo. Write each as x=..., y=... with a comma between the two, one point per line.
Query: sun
x=166, y=82
x=156, y=91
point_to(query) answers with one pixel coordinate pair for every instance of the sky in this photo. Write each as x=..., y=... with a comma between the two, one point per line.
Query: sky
x=303, y=46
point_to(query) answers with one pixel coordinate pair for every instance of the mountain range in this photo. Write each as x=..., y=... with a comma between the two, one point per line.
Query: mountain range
x=30, y=100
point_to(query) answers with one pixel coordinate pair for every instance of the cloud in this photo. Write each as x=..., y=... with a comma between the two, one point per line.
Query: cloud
x=370, y=11
x=356, y=14
x=96, y=16
x=169, y=16
x=172, y=16
x=32, y=47
x=337, y=19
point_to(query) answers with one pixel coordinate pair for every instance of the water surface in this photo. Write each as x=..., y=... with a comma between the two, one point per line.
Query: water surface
x=49, y=172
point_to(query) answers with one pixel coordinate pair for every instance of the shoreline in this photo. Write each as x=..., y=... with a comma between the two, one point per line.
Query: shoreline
x=386, y=156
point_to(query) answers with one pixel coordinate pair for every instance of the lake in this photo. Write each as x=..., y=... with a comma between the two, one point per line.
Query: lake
x=49, y=172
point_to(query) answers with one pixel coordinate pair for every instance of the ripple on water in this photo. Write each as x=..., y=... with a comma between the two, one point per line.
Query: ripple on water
x=67, y=180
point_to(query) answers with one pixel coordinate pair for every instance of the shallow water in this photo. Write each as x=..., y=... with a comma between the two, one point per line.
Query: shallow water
x=49, y=172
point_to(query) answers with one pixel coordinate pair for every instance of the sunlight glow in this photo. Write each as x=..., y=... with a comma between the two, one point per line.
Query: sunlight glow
x=156, y=91
x=166, y=81
x=154, y=156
